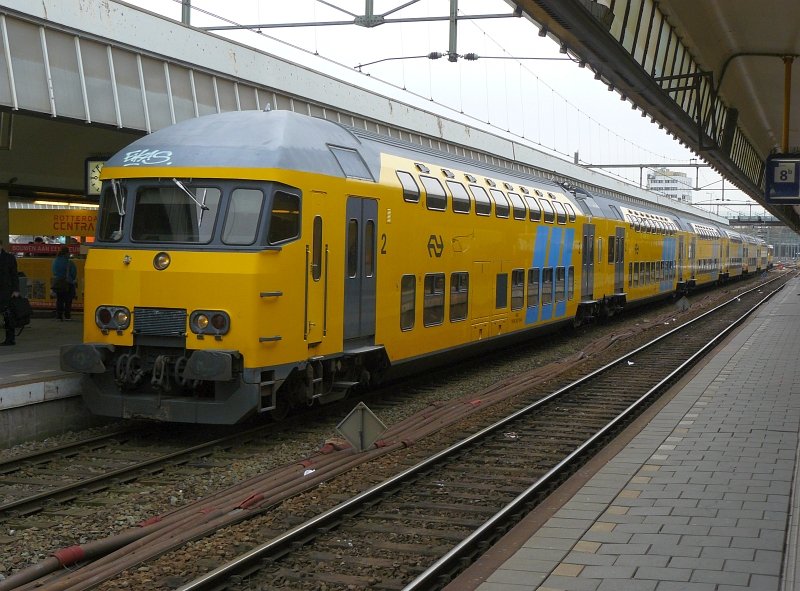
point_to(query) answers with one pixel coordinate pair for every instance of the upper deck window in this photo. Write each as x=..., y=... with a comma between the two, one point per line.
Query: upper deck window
x=561, y=213
x=570, y=212
x=177, y=213
x=410, y=187
x=483, y=205
x=534, y=211
x=519, y=207
x=549, y=212
x=351, y=163
x=435, y=197
x=461, y=200
x=501, y=207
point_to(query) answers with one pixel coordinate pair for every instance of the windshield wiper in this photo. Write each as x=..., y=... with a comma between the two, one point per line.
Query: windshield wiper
x=202, y=206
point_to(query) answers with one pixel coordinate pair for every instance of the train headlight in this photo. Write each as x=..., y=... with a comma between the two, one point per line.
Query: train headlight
x=161, y=261
x=112, y=317
x=209, y=322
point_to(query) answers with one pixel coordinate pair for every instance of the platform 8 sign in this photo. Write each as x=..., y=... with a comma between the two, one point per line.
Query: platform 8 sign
x=783, y=179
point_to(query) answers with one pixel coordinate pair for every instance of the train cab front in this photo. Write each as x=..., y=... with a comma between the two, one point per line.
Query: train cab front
x=172, y=298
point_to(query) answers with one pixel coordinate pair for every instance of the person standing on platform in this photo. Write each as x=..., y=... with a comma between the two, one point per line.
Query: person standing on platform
x=65, y=276
x=9, y=288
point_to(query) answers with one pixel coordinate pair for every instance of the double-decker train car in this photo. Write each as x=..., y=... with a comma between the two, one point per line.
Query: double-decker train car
x=250, y=262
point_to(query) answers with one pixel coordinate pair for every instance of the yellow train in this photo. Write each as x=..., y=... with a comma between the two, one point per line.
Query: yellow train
x=251, y=262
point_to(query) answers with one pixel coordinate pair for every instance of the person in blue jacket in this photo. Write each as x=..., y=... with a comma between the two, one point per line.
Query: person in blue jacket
x=65, y=278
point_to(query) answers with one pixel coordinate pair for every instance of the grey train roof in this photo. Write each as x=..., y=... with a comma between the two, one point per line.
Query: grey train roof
x=288, y=140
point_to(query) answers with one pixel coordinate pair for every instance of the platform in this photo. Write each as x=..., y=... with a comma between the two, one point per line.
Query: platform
x=704, y=498
x=37, y=399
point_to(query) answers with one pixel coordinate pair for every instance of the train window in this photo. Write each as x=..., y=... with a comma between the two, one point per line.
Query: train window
x=459, y=296
x=549, y=212
x=635, y=274
x=599, y=250
x=176, y=213
x=561, y=213
x=571, y=283
x=369, y=248
x=435, y=197
x=630, y=274
x=547, y=286
x=316, y=249
x=483, y=205
x=533, y=287
x=352, y=248
x=284, y=223
x=534, y=211
x=408, y=294
x=351, y=163
x=501, y=291
x=570, y=212
x=241, y=220
x=519, y=207
x=433, y=306
x=561, y=284
x=611, y=245
x=111, y=214
x=410, y=188
x=461, y=201
x=501, y=207
x=517, y=289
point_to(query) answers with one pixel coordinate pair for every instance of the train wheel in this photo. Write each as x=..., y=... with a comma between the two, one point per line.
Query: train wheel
x=281, y=410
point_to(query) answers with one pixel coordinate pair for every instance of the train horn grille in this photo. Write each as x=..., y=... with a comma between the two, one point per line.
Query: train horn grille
x=167, y=322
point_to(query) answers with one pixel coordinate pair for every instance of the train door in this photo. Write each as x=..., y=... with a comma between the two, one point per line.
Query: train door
x=316, y=280
x=619, y=262
x=587, y=262
x=360, y=271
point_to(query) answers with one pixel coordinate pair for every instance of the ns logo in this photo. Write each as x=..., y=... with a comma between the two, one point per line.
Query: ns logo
x=435, y=246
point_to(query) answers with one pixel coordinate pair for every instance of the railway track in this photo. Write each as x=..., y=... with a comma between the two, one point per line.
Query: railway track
x=421, y=527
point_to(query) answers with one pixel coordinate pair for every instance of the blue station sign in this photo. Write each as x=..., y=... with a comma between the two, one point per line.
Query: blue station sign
x=783, y=179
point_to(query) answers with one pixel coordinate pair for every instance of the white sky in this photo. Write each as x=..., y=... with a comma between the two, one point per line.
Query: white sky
x=553, y=104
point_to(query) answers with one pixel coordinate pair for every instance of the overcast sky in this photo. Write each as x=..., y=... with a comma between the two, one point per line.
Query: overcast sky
x=552, y=103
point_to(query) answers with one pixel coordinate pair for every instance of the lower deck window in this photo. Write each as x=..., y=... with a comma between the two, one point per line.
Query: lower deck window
x=459, y=296
x=561, y=284
x=408, y=294
x=547, y=286
x=433, y=306
x=517, y=289
x=533, y=287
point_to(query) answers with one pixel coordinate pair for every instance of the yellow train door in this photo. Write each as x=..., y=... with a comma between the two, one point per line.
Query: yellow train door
x=316, y=280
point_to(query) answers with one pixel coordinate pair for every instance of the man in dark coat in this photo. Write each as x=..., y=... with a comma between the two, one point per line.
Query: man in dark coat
x=9, y=288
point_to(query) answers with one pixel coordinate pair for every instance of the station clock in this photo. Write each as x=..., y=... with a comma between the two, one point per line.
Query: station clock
x=92, y=173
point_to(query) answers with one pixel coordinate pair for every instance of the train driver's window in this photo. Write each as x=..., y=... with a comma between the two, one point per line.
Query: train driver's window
x=461, y=200
x=435, y=197
x=284, y=223
x=410, y=187
x=519, y=207
x=433, y=306
x=533, y=287
x=517, y=289
x=501, y=207
x=534, y=211
x=459, y=296
x=561, y=213
x=408, y=294
x=483, y=205
x=241, y=220
x=549, y=212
